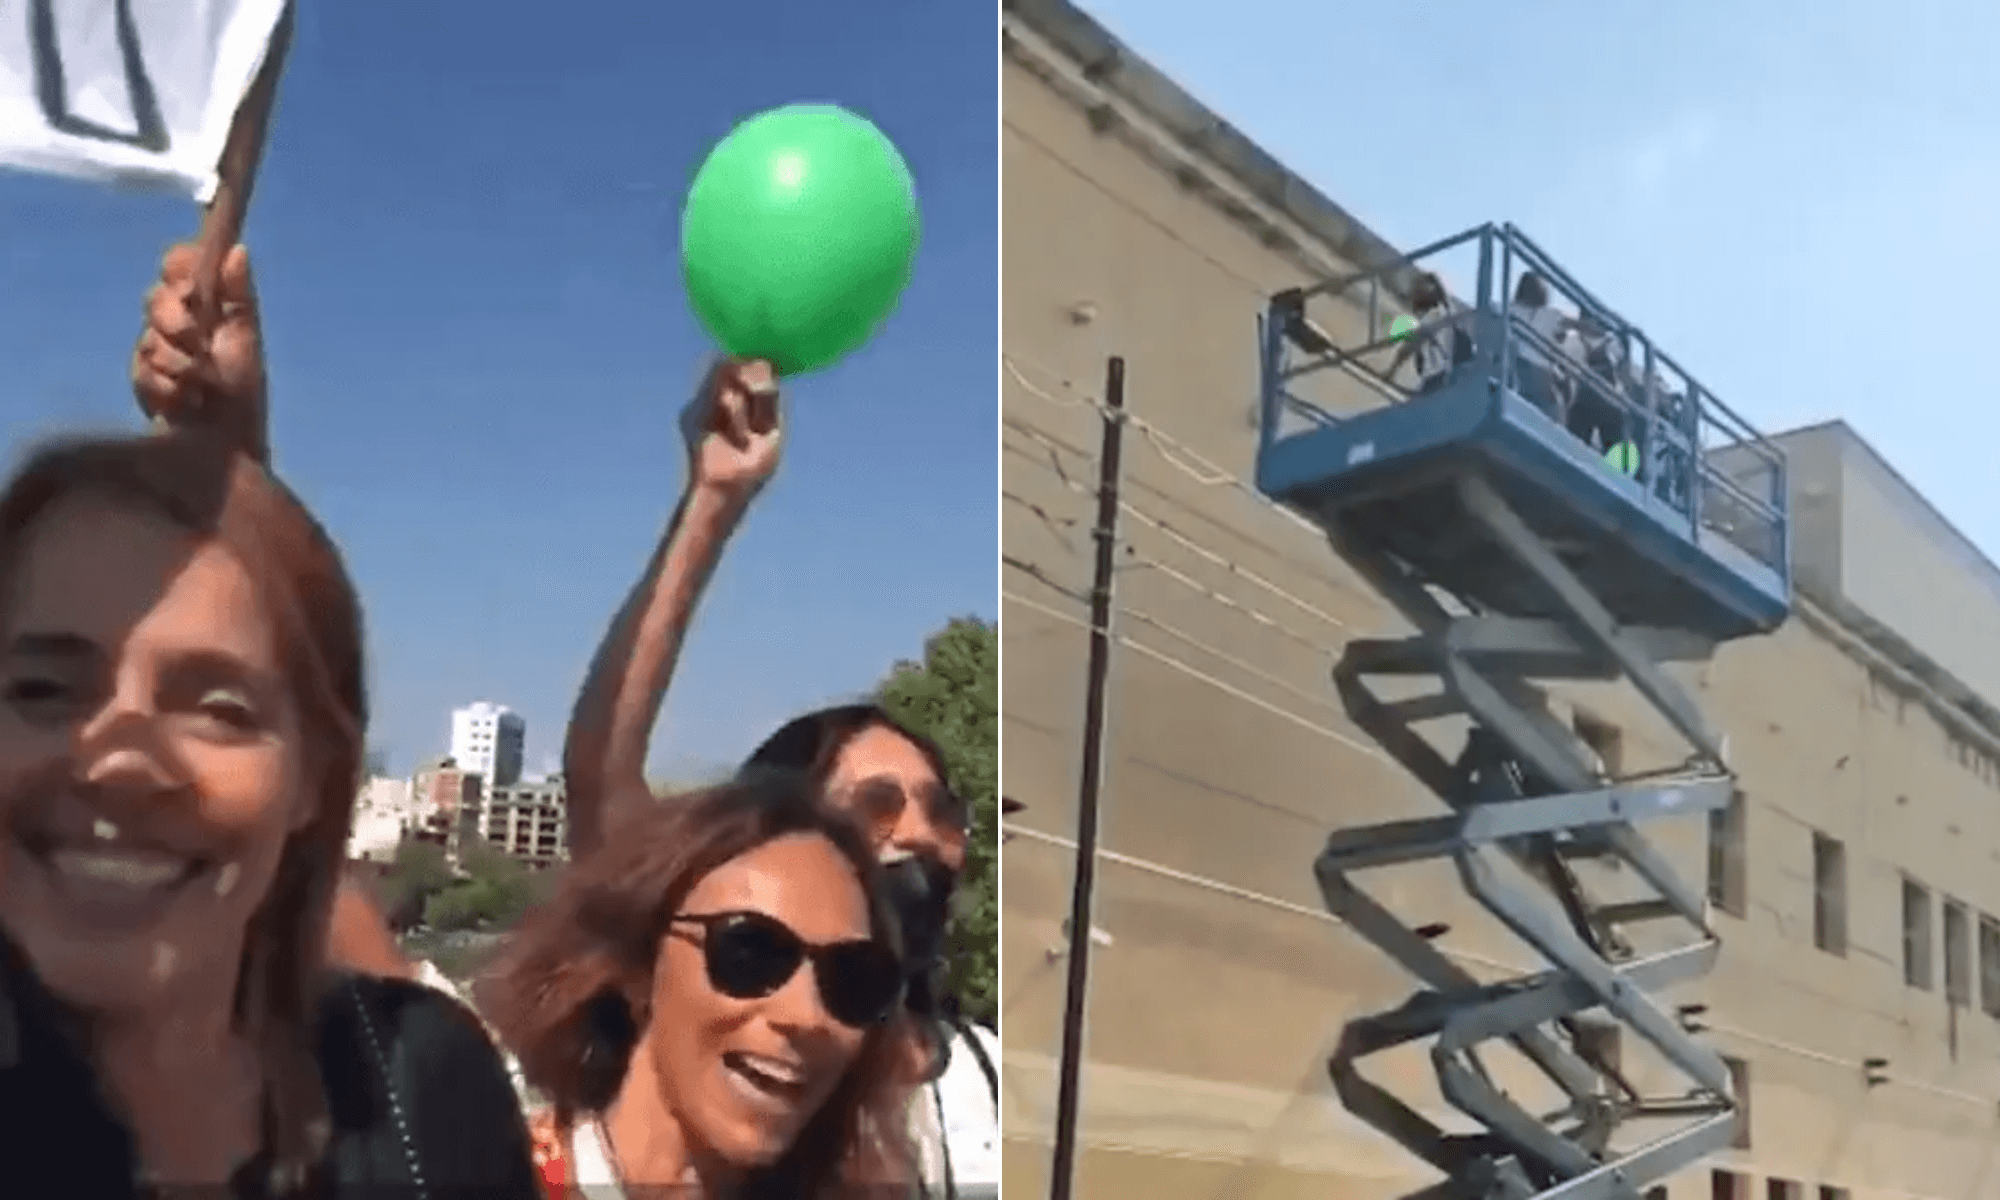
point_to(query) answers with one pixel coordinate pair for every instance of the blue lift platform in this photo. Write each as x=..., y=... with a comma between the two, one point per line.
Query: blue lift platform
x=1555, y=499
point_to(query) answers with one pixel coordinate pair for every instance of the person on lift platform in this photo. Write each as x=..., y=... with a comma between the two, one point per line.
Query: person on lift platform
x=1442, y=342
x=1535, y=378
x=1597, y=417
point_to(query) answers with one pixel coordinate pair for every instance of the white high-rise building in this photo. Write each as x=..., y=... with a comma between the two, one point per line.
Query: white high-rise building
x=488, y=740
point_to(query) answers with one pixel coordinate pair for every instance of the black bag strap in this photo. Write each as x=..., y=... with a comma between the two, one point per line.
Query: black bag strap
x=970, y=1037
x=390, y=1148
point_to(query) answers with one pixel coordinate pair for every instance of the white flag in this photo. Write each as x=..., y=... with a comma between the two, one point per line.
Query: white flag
x=130, y=92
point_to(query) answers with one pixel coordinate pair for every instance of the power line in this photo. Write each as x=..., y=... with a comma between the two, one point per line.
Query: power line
x=1178, y=454
x=1226, y=688
x=1261, y=900
x=1135, y=559
x=1235, y=569
x=1041, y=576
x=1206, y=473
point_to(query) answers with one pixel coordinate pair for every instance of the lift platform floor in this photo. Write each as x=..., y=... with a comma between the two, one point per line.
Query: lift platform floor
x=1389, y=477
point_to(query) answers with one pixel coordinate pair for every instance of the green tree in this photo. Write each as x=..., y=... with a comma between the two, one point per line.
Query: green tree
x=418, y=873
x=463, y=905
x=953, y=698
x=493, y=890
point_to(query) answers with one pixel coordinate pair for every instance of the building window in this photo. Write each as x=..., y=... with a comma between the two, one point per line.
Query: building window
x=1957, y=955
x=1989, y=965
x=1917, y=970
x=1829, y=894
x=1739, y=1083
x=1728, y=878
x=1728, y=1185
x=1829, y=1192
x=1783, y=1189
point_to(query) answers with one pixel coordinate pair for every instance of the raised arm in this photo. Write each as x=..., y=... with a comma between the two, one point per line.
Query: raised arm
x=733, y=435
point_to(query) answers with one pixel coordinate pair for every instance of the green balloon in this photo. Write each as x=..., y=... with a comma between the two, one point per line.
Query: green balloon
x=798, y=235
x=1623, y=458
x=1403, y=326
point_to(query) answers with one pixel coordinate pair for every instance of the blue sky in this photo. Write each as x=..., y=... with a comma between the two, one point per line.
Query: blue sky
x=466, y=236
x=1796, y=199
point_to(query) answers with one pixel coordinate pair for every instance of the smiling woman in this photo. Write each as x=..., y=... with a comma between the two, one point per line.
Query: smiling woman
x=181, y=719
x=712, y=1000
x=158, y=676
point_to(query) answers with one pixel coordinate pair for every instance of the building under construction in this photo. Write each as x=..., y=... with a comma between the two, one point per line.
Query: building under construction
x=1499, y=800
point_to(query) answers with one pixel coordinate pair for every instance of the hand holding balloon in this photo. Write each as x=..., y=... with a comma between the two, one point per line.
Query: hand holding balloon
x=732, y=431
x=798, y=237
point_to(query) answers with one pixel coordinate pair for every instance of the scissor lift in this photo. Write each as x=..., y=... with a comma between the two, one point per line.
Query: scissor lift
x=1524, y=554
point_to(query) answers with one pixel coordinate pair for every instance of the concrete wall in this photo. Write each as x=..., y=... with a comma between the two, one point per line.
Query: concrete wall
x=1871, y=550
x=1905, y=567
x=1220, y=984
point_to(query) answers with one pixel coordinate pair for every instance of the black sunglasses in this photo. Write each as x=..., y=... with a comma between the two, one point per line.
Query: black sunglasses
x=751, y=955
x=881, y=802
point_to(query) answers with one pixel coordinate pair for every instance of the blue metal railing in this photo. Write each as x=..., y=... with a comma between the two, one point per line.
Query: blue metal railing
x=1690, y=454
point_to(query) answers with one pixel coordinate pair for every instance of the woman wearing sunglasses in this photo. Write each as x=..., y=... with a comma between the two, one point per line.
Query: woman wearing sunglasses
x=864, y=764
x=709, y=1003
x=857, y=756
x=181, y=720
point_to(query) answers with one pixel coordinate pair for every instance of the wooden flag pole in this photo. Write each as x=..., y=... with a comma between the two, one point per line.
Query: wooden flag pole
x=236, y=173
x=236, y=177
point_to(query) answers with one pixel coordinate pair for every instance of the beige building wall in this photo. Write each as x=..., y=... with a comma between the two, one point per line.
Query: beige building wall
x=1218, y=983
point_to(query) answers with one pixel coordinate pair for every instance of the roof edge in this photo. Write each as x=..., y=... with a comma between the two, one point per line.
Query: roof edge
x=1115, y=68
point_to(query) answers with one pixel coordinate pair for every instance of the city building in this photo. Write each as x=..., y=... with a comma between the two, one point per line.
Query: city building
x=528, y=820
x=383, y=812
x=446, y=801
x=1853, y=884
x=489, y=740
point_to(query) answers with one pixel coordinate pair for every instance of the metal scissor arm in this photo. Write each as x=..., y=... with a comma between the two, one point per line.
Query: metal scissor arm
x=1525, y=798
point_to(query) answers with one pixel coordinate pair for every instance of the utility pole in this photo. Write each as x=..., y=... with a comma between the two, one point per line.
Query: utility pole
x=1062, y=1171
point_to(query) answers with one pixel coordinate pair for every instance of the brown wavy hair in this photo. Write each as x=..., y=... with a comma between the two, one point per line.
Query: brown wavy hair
x=567, y=992
x=223, y=497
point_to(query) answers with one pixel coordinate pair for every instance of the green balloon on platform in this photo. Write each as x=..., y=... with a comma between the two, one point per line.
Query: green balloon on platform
x=1623, y=458
x=1402, y=327
x=798, y=235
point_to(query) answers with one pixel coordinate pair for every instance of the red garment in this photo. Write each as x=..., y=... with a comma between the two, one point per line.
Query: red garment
x=551, y=1154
